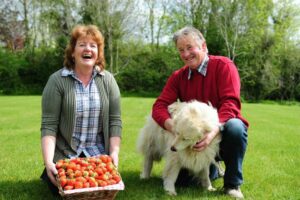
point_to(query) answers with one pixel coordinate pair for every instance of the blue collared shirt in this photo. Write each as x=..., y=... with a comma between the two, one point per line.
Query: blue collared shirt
x=87, y=135
x=202, y=67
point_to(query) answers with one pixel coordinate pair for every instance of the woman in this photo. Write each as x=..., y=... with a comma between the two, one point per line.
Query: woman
x=81, y=114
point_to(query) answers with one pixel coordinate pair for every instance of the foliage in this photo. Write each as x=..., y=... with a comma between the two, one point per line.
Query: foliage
x=148, y=71
x=27, y=72
x=40, y=64
x=10, y=81
x=261, y=37
x=271, y=158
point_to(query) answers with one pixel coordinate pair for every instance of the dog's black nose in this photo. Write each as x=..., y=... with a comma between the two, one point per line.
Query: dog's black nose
x=173, y=148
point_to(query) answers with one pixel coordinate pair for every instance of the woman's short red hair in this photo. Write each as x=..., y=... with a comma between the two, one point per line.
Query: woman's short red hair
x=85, y=31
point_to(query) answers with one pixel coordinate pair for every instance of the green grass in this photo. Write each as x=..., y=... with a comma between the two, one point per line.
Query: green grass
x=271, y=167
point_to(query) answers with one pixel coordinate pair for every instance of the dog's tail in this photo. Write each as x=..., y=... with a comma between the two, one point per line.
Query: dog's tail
x=143, y=137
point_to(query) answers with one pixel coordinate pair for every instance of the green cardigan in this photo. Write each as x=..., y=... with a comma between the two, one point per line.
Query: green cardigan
x=58, y=110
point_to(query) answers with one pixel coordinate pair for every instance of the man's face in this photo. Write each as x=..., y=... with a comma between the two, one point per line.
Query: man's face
x=191, y=51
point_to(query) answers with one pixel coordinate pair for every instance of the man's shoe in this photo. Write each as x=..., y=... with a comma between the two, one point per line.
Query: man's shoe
x=234, y=192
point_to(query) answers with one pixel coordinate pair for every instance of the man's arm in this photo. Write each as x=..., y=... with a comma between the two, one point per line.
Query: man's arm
x=168, y=96
x=229, y=92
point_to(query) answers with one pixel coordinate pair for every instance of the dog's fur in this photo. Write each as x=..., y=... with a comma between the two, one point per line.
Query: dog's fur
x=191, y=121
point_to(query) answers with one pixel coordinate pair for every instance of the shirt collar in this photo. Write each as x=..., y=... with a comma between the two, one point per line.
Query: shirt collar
x=67, y=72
x=70, y=72
x=202, y=69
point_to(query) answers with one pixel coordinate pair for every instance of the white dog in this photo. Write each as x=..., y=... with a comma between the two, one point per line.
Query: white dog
x=192, y=120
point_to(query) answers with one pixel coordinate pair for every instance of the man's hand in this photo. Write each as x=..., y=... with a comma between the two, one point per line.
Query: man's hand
x=169, y=125
x=202, y=144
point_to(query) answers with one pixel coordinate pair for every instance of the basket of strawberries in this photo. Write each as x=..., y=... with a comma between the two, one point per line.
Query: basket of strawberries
x=88, y=178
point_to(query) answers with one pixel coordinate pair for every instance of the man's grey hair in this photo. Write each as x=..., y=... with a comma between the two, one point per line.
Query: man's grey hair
x=189, y=30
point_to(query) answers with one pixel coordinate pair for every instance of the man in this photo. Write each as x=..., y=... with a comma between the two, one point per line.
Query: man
x=213, y=79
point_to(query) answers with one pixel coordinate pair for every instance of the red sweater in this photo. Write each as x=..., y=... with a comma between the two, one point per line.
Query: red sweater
x=220, y=87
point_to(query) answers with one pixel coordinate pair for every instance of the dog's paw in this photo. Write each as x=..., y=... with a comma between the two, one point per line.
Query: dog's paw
x=171, y=193
x=211, y=188
x=170, y=189
x=144, y=176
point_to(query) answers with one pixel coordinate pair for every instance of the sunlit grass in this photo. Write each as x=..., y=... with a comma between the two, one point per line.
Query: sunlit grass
x=271, y=167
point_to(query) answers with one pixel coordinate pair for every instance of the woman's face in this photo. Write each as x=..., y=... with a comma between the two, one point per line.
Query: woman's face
x=191, y=52
x=85, y=52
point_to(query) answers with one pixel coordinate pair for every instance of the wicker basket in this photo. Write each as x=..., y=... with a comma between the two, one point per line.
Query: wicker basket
x=104, y=193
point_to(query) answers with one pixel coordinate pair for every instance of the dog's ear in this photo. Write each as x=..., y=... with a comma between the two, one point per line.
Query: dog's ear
x=194, y=112
x=174, y=107
x=209, y=104
x=207, y=127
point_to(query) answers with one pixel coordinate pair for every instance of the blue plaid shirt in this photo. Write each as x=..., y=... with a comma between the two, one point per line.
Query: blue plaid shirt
x=87, y=135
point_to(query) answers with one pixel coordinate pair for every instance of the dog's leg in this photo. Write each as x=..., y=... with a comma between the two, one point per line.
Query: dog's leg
x=218, y=165
x=221, y=171
x=170, y=175
x=205, y=181
x=147, y=166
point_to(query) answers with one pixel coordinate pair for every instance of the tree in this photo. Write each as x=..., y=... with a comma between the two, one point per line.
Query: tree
x=229, y=17
x=12, y=29
x=56, y=19
x=284, y=20
x=199, y=12
x=112, y=17
x=151, y=7
x=254, y=52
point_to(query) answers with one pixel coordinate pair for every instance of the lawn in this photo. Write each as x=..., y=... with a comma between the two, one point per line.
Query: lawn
x=270, y=168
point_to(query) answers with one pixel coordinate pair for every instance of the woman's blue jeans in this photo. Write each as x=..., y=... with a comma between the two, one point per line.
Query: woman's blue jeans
x=232, y=150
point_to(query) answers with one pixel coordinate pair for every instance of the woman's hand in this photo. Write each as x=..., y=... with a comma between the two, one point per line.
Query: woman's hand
x=51, y=172
x=114, y=149
x=115, y=158
x=48, y=146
